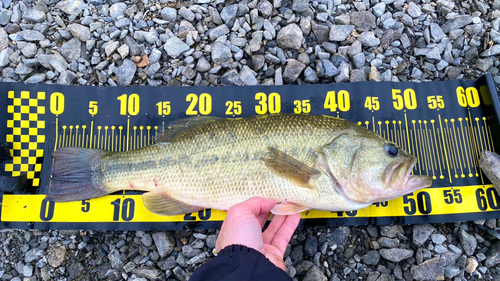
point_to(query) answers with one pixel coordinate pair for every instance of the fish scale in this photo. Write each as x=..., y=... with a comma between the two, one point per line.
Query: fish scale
x=193, y=174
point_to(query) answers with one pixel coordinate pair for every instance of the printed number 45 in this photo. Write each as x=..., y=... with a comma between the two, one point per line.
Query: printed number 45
x=372, y=103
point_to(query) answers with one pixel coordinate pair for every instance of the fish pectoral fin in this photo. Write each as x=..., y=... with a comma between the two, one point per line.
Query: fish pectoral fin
x=162, y=204
x=288, y=208
x=289, y=168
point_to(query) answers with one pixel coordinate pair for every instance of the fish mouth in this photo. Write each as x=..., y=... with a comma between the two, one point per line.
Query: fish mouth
x=410, y=182
x=399, y=172
x=400, y=177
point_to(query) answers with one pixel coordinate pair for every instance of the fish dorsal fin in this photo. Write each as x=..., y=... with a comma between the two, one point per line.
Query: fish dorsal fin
x=184, y=124
x=162, y=204
x=287, y=167
x=288, y=208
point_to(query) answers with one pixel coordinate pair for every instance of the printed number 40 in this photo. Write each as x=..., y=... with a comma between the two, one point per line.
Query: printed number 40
x=342, y=100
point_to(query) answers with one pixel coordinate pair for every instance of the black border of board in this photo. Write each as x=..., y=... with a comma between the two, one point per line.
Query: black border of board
x=332, y=222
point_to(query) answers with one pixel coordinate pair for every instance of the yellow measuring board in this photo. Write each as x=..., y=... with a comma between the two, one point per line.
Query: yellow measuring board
x=129, y=208
x=445, y=125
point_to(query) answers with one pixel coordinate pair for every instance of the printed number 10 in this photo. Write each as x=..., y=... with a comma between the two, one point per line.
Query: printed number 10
x=133, y=103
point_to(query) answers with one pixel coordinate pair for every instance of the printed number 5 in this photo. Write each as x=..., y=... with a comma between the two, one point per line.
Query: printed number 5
x=93, y=108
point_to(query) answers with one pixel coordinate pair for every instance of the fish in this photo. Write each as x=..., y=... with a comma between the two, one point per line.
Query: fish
x=303, y=161
x=490, y=165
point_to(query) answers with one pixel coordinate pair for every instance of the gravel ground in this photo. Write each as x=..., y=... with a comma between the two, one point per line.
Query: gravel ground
x=217, y=42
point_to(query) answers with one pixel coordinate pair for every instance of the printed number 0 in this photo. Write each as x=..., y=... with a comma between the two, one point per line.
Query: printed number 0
x=57, y=103
x=47, y=210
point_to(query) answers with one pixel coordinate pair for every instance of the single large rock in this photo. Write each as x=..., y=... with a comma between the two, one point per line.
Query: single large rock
x=340, y=33
x=468, y=242
x=220, y=53
x=71, y=50
x=456, y=23
x=31, y=35
x=493, y=255
x=164, y=243
x=175, y=47
x=169, y=14
x=4, y=39
x=58, y=62
x=125, y=73
x=395, y=254
x=364, y=21
x=228, y=14
x=315, y=274
x=421, y=233
x=429, y=270
x=117, y=10
x=72, y=7
x=34, y=15
x=79, y=31
x=293, y=70
x=290, y=36
x=368, y=39
x=55, y=255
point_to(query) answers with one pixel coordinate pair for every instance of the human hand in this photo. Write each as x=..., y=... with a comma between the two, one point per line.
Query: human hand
x=243, y=225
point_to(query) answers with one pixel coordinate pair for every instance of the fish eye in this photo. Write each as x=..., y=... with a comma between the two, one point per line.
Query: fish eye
x=391, y=149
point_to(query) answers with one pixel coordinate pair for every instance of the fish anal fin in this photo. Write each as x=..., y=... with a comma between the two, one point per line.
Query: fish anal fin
x=288, y=208
x=287, y=167
x=162, y=204
x=181, y=125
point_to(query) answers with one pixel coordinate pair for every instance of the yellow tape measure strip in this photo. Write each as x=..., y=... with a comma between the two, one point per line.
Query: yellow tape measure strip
x=129, y=208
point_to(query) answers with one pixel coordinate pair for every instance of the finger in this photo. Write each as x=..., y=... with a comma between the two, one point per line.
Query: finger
x=257, y=205
x=274, y=226
x=285, y=232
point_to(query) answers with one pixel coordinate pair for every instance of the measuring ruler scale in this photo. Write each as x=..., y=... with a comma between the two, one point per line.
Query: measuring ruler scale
x=444, y=124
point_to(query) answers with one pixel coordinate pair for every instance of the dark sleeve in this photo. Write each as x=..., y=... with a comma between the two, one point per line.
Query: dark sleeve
x=237, y=262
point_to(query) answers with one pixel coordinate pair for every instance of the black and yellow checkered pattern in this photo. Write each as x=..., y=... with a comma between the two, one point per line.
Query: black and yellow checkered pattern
x=27, y=136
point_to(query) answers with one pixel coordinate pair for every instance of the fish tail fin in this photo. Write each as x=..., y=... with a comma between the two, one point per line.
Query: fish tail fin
x=76, y=175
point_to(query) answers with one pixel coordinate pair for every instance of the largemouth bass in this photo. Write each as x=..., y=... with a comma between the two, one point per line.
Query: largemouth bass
x=303, y=161
x=490, y=165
